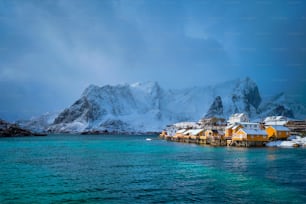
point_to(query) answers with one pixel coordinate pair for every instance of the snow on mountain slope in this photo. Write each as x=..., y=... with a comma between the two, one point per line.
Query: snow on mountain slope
x=114, y=108
x=282, y=105
x=38, y=124
x=144, y=107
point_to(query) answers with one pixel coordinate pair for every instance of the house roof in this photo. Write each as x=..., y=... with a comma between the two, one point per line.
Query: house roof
x=213, y=130
x=254, y=131
x=238, y=115
x=275, y=118
x=236, y=126
x=230, y=126
x=193, y=131
x=181, y=131
x=280, y=128
x=248, y=123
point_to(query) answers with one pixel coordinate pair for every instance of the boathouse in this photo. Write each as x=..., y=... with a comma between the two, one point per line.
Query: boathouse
x=193, y=135
x=211, y=133
x=277, y=132
x=249, y=137
x=179, y=135
x=231, y=129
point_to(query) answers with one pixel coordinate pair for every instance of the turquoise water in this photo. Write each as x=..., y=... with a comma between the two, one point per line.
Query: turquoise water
x=129, y=169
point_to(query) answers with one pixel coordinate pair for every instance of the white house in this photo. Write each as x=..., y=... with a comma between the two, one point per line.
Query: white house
x=275, y=120
x=238, y=118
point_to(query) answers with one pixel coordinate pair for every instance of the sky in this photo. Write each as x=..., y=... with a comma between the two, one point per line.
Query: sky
x=51, y=50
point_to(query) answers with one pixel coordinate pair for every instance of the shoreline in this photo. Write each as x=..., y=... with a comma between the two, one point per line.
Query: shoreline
x=292, y=143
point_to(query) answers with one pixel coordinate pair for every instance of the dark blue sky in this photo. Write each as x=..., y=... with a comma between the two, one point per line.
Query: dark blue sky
x=51, y=50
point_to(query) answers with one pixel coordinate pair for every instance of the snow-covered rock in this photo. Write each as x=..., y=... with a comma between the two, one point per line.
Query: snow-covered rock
x=216, y=108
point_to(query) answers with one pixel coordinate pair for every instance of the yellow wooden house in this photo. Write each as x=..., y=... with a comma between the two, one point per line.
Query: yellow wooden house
x=179, y=135
x=193, y=134
x=163, y=134
x=231, y=130
x=250, y=135
x=211, y=133
x=277, y=132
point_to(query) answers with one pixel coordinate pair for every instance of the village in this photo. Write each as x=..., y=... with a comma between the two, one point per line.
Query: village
x=237, y=131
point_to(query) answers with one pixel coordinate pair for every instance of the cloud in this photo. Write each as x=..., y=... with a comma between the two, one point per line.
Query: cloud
x=56, y=48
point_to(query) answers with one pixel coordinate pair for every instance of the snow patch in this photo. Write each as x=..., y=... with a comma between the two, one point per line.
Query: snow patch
x=293, y=141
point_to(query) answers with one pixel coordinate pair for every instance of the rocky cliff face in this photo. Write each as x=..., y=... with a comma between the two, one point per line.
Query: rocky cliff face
x=144, y=107
x=216, y=108
x=282, y=105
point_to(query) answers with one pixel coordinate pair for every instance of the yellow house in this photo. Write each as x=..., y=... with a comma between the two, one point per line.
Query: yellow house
x=179, y=135
x=278, y=132
x=194, y=133
x=232, y=129
x=250, y=135
x=163, y=134
x=211, y=133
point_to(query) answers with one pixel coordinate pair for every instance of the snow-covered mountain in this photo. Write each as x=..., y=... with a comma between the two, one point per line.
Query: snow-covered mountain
x=40, y=123
x=145, y=107
x=281, y=104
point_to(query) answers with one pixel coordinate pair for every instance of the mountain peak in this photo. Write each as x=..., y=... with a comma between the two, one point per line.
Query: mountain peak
x=145, y=86
x=90, y=89
x=246, y=83
x=145, y=106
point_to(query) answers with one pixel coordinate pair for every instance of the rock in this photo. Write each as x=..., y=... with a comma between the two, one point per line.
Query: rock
x=13, y=130
x=216, y=108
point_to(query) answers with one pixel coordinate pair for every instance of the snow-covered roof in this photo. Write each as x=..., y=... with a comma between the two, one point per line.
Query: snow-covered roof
x=248, y=123
x=254, y=132
x=280, y=128
x=281, y=118
x=275, y=118
x=193, y=131
x=186, y=124
x=230, y=126
x=235, y=126
x=181, y=131
x=277, y=123
x=238, y=115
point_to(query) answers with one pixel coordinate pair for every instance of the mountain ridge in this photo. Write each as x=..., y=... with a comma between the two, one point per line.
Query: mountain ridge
x=147, y=107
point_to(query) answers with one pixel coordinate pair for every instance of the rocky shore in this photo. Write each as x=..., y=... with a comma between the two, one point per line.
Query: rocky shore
x=13, y=130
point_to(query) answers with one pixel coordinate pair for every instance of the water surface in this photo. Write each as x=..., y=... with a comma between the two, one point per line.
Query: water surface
x=129, y=169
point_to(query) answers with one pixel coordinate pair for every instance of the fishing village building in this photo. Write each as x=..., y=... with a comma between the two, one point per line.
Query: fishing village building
x=238, y=131
x=278, y=132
